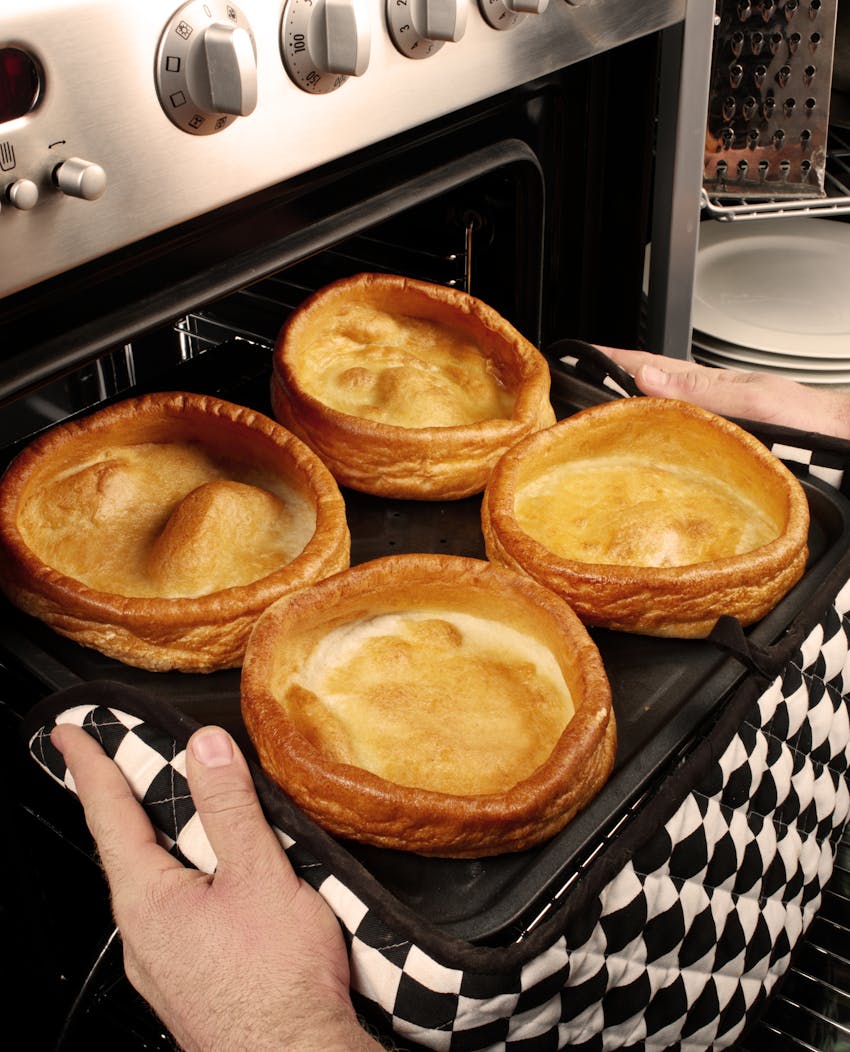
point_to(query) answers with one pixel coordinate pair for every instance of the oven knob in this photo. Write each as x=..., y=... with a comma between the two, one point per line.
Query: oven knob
x=323, y=42
x=78, y=178
x=505, y=14
x=23, y=194
x=419, y=28
x=206, y=67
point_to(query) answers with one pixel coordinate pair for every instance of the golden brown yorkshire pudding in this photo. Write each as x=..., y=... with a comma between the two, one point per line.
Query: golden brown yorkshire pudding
x=158, y=529
x=407, y=389
x=433, y=704
x=650, y=516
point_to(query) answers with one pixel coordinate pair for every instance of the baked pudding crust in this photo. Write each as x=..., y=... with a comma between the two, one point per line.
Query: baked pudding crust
x=207, y=627
x=412, y=462
x=355, y=803
x=661, y=600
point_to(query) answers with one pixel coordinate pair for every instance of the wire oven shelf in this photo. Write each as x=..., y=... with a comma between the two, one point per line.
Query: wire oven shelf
x=255, y=313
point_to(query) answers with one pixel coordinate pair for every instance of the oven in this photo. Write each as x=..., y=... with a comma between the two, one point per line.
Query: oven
x=176, y=179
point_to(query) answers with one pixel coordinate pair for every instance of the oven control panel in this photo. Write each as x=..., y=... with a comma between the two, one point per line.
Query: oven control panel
x=118, y=121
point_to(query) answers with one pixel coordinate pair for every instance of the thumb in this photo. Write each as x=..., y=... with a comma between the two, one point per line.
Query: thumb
x=227, y=804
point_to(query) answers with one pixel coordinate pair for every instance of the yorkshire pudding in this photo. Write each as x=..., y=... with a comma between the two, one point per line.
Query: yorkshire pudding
x=432, y=704
x=407, y=389
x=158, y=529
x=650, y=516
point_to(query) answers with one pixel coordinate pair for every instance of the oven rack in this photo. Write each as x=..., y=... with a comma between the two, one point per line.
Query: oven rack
x=835, y=203
x=255, y=313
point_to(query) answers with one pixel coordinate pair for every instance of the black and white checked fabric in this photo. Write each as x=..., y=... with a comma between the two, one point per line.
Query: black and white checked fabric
x=677, y=948
x=676, y=934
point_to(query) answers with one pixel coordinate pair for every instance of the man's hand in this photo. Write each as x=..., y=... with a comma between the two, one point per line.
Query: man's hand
x=762, y=397
x=249, y=958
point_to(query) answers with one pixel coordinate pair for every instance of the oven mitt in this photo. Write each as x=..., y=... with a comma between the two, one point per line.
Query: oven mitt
x=673, y=936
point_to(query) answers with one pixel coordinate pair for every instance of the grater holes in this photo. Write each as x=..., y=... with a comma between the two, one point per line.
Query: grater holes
x=761, y=104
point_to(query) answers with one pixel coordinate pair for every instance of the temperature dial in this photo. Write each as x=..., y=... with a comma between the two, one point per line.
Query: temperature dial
x=505, y=14
x=206, y=67
x=324, y=42
x=419, y=28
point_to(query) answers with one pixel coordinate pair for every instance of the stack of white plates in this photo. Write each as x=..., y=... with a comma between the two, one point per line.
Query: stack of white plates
x=774, y=295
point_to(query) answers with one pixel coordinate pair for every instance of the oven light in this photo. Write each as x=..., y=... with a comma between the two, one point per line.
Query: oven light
x=20, y=83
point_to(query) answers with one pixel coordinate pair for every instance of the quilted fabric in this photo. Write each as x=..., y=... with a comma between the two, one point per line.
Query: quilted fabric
x=672, y=938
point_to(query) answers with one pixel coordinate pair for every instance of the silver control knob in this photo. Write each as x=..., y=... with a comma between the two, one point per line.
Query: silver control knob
x=206, y=67
x=419, y=28
x=324, y=42
x=78, y=178
x=505, y=14
x=23, y=194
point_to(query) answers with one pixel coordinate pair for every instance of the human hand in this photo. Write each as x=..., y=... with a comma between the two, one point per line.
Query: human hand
x=250, y=957
x=762, y=397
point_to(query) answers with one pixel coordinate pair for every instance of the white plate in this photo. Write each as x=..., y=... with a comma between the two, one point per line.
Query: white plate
x=734, y=352
x=836, y=378
x=777, y=285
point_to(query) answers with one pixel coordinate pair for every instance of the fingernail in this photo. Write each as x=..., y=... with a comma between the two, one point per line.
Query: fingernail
x=657, y=377
x=212, y=747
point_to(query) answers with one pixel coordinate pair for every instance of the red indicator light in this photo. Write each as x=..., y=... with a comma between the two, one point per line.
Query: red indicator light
x=19, y=83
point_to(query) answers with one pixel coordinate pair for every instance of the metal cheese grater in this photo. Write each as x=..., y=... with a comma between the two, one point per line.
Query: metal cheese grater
x=768, y=111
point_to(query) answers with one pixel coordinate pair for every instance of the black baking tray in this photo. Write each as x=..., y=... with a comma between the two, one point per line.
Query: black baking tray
x=664, y=692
